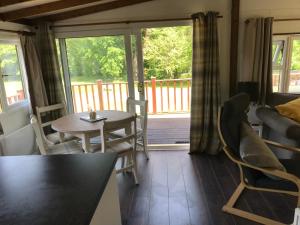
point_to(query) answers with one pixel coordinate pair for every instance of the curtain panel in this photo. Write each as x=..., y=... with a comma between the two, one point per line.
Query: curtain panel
x=37, y=91
x=49, y=64
x=257, y=55
x=205, y=98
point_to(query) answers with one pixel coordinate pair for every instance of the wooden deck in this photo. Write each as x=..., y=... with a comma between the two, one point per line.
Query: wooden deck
x=169, y=129
x=181, y=189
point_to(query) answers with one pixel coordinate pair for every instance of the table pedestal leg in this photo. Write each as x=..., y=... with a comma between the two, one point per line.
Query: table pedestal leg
x=61, y=137
x=86, y=143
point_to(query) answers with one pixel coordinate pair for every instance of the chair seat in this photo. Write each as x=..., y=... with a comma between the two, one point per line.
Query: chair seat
x=55, y=139
x=121, y=133
x=292, y=166
x=118, y=148
x=70, y=147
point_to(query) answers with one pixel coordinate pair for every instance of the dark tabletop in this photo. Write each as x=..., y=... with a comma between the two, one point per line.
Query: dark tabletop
x=52, y=190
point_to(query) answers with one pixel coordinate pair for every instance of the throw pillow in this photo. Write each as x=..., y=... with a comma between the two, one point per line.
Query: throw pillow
x=290, y=109
x=254, y=151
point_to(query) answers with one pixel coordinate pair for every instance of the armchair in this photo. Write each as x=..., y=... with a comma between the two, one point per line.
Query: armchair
x=231, y=116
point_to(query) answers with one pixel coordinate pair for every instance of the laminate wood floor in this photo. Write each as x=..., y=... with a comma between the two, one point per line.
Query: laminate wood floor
x=181, y=189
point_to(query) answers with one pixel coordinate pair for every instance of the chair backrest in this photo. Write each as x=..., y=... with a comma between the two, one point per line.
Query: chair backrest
x=231, y=115
x=128, y=124
x=39, y=135
x=48, y=109
x=140, y=108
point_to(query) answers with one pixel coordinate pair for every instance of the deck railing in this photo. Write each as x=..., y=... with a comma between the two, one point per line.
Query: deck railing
x=164, y=96
x=16, y=98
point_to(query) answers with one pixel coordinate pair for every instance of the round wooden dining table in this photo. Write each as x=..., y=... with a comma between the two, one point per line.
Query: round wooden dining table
x=72, y=124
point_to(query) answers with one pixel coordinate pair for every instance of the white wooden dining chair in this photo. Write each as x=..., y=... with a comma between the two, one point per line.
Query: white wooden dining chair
x=140, y=108
x=56, y=137
x=124, y=146
x=68, y=147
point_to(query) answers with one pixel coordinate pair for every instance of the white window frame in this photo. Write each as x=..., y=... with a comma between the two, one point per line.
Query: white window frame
x=125, y=30
x=3, y=100
x=287, y=60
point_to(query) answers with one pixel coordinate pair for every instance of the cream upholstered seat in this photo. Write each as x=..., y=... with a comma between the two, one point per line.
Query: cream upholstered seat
x=68, y=147
x=53, y=138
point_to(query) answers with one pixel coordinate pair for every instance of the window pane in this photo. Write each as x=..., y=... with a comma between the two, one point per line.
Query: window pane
x=11, y=73
x=277, y=48
x=294, y=79
x=98, y=65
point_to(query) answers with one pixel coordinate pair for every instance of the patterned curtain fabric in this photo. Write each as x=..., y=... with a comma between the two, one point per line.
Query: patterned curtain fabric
x=205, y=85
x=257, y=55
x=49, y=64
x=37, y=91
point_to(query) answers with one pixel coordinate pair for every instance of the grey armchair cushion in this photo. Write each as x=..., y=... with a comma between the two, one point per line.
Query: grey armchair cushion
x=282, y=125
x=254, y=151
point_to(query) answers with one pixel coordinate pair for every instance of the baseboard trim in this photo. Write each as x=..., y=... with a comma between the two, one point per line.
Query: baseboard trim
x=166, y=147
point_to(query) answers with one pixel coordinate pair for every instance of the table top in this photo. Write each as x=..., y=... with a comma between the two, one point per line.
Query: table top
x=73, y=124
x=55, y=189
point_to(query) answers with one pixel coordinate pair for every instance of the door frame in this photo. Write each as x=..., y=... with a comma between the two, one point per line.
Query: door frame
x=20, y=56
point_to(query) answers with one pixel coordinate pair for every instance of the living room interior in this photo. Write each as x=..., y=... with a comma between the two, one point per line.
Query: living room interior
x=149, y=112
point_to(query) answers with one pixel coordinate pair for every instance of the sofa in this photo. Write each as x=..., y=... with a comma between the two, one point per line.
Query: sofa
x=277, y=127
x=17, y=136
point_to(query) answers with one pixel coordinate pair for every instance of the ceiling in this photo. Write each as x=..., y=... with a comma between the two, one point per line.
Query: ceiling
x=31, y=11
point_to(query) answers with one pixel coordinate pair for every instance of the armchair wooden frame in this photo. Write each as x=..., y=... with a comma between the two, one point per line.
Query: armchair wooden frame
x=229, y=206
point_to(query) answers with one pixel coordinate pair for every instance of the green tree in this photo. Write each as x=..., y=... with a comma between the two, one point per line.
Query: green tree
x=97, y=57
x=167, y=52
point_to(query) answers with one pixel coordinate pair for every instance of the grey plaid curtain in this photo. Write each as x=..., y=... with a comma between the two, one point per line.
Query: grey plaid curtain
x=49, y=64
x=257, y=57
x=205, y=85
x=37, y=91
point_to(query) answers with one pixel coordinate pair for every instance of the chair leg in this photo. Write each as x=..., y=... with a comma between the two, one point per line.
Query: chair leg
x=144, y=140
x=134, y=168
x=229, y=208
x=123, y=160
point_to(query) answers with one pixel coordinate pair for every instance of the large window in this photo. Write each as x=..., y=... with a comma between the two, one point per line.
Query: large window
x=12, y=88
x=286, y=64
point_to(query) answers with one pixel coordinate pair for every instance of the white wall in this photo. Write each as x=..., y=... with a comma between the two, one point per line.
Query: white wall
x=270, y=8
x=159, y=9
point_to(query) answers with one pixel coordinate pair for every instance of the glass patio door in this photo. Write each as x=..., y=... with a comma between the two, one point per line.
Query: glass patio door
x=98, y=71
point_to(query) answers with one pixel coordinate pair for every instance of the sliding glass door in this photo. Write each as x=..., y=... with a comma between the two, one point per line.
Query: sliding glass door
x=98, y=71
x=152, y=64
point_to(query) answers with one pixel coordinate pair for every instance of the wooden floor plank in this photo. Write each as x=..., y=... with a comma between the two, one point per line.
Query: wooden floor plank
x=159, y=197
x=178, y=188
x=178, y=204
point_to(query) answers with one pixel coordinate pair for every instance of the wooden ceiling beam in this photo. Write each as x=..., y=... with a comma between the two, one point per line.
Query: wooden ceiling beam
x=11, y=2
x=92, y=9
x=43, y=8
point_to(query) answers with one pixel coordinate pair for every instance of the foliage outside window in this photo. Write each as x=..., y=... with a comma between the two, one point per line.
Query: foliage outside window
x=11, y=80
x=286, y=64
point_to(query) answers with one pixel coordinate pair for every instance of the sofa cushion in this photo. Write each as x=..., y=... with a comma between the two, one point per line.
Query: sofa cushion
x=280, y=124
x=254, y=151
x=290, y=109
x=15, y=118
x=20, y=142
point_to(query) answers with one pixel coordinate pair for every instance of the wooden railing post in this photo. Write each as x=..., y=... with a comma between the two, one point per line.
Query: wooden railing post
x=153, y=87
x=21, y=95
x=100, y=93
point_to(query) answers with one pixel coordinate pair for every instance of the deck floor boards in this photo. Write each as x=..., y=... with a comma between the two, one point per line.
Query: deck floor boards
x=181, y=189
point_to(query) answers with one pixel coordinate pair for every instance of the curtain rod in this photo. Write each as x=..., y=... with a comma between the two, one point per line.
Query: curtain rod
x=124, y=22
x=286, y=19
x=287, y=33
x=18, y=32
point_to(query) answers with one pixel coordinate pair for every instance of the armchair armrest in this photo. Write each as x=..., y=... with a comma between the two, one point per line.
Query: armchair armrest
x=284, y=147
x=276, y=173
